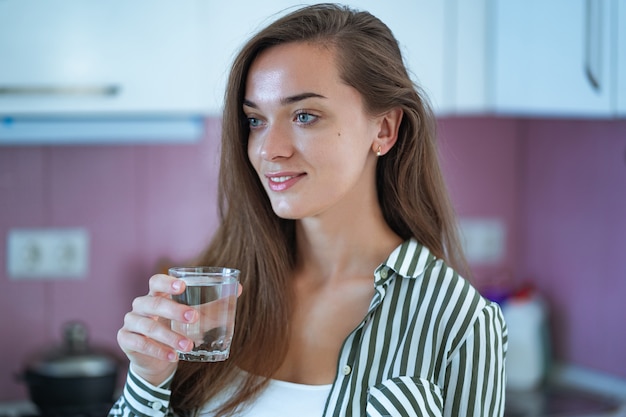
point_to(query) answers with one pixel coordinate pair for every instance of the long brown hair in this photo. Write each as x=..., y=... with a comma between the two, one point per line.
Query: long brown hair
x=253, y=239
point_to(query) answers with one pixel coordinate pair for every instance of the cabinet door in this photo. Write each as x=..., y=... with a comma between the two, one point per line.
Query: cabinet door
x=552, y=57
x=469, y=29
x=102, y=57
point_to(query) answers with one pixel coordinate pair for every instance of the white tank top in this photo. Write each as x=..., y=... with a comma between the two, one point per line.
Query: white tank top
x=281, y=399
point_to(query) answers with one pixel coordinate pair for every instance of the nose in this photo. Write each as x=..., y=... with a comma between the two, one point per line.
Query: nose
x=276, y=143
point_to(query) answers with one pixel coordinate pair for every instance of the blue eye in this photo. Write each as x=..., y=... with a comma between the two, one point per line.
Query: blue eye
x=305, y=118
x=253, y=122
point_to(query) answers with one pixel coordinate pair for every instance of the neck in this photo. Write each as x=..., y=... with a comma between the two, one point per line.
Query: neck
x=344, y=243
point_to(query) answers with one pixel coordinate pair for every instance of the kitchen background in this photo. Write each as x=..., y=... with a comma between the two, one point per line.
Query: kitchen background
x=554, y=183
x=559, y=186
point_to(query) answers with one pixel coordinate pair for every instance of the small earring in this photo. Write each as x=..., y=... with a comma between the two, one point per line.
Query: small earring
x=378, y=151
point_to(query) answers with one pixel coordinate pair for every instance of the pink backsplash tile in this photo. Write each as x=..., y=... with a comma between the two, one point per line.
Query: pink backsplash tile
x=574, y=240
x=558, y=186
x=138, y=203
x=481, y=166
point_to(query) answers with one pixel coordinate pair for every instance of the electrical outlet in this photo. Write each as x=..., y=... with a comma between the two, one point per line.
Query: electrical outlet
x=47, y=253
x=483, y=240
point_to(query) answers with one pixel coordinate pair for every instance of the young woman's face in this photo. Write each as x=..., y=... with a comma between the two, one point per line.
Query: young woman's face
x=311, y=141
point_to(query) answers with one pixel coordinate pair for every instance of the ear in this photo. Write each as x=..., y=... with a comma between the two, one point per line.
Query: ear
x=388, y=125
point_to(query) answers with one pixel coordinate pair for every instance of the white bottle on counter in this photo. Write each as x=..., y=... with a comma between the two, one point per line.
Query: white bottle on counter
x=528, y=342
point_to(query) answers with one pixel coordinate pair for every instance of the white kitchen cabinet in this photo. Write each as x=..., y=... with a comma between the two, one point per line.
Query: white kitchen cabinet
x=512, y=57
x=115, y=71
x=468, y=32
x=77, y=57
x=554, y=58
x=74, y=57
x=164, y=61
x=88, y=71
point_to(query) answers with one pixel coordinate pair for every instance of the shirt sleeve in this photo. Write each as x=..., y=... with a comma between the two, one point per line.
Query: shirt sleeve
x=142, y=399
x=475, y=375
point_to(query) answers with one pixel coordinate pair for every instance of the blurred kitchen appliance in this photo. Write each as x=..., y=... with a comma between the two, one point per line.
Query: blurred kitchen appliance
x=528, y=352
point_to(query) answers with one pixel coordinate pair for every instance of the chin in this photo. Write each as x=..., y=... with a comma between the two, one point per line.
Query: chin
x=287, y=213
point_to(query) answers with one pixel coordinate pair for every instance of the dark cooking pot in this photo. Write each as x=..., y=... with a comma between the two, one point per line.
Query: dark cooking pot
x=72, y=377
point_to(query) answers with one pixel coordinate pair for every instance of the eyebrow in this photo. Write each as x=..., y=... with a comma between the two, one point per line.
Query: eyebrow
x=286, y=100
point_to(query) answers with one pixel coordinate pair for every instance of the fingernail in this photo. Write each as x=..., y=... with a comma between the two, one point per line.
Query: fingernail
x=184, y=345
x=176, y=285
x=189, y=315
x=172, y=357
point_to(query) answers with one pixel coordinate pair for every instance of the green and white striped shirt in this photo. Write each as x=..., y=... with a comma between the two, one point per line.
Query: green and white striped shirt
x=430, y=345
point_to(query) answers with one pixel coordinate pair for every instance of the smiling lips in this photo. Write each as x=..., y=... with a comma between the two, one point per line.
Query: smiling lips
x=283, y=181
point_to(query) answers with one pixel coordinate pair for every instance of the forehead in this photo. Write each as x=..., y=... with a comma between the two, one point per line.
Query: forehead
x=296, y=51
x=289, y=68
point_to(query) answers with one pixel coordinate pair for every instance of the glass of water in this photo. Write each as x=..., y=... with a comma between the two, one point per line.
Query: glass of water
x=212, y=291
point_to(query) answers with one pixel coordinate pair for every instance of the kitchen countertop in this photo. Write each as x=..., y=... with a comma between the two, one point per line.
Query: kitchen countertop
x=570, y=391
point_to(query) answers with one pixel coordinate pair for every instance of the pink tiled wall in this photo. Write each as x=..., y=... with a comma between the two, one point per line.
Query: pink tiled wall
x=138, y=203
x=559, y=187
x=573, y=207
x=480, y=158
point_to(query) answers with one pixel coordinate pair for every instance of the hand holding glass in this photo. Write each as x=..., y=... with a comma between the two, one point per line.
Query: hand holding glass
x=212, y=291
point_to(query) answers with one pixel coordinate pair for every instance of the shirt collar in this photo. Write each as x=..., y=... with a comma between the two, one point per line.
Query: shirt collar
x=409, y=260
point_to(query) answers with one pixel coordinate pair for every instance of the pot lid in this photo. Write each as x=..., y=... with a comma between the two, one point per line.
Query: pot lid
x=74, y=358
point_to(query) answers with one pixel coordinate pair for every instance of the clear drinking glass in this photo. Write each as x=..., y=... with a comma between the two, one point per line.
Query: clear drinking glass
x=212, y=291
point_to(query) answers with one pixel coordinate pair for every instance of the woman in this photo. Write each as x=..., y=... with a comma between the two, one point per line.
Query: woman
x=334, y=209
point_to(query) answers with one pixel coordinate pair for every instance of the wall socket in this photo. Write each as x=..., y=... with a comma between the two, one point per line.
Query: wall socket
x=483, y=239
x=47, y=253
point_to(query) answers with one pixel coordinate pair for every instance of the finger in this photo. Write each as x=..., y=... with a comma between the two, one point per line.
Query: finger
x=159, y=306
x=164, y=284
x=134, y=344
x=153, y=331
